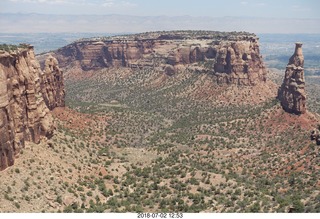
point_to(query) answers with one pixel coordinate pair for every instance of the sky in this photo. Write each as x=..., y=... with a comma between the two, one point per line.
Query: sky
x=309, y=9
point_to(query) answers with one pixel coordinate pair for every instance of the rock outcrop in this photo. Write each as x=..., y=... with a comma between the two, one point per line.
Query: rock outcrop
x=52, y=86
x=26, y=95
x=234, y=58
x=315, y=135
x=292, y=93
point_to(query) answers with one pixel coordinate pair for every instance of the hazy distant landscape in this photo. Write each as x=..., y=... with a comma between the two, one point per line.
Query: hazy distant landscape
x=275, y=48
x=114, y=23
x=45, y=42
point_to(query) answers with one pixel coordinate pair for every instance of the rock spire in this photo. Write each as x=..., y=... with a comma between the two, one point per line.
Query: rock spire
x=292, y=91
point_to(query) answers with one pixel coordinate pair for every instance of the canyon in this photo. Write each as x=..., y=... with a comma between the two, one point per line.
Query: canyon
x=170, y=121
x=29, y=93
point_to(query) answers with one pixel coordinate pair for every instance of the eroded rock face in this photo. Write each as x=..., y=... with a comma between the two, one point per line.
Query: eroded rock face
x=234, y=58
x=52, y=84
x=292, y=91
x=24, y=115
x=240, y=63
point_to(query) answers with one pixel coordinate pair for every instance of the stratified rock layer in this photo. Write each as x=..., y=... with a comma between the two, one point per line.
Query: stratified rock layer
x=292, y=91
x=52, y=86
x=234, y=58
x=24, y=114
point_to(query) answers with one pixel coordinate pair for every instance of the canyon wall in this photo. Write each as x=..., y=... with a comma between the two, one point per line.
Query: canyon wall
x=292, y=94
x=26, y=96
x=234, y=58
x=52, y=84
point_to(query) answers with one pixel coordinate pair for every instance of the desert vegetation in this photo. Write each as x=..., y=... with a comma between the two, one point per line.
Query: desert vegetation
x=12, y=47
x=138, y=140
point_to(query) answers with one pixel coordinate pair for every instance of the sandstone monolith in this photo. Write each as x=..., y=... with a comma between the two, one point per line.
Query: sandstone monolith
x=292, y=93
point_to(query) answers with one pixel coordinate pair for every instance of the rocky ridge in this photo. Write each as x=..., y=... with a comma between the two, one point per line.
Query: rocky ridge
x=26, y=97
x=292, y=91
x=233, y=58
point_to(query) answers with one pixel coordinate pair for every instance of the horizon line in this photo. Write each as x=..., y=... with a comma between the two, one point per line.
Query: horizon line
x=170, y=16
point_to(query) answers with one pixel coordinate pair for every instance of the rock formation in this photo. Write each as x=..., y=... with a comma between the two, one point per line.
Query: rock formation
x=292, y=91
x=315, y=135
x=52, y=86
x=234, y=58
x=26, y=95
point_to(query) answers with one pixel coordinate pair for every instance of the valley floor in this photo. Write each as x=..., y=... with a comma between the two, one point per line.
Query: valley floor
x=123, y=147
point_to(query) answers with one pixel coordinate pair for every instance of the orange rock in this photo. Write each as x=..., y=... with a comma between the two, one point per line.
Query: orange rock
x=234, y=58
x=24, y=113
x=292, y=91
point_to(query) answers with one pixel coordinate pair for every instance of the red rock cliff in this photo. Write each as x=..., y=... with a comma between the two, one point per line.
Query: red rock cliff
x=26, y=95
x=233, y=57
x=52, y=86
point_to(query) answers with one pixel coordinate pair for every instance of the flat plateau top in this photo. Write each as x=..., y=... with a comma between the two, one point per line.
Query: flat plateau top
x=179, y=35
